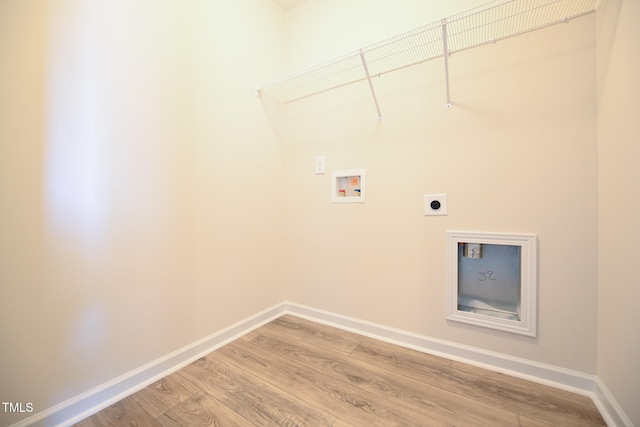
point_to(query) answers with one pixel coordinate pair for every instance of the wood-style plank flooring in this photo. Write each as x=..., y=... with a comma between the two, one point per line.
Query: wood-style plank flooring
x=293, y=372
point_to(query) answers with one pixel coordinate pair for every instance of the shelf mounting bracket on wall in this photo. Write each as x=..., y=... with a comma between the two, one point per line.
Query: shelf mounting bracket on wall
x=486, y=24
x=373, y=92
x=445, y=54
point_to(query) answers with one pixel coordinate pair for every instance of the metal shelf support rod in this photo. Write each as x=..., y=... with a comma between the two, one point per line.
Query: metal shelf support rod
x=445, y=51
x=366, y=71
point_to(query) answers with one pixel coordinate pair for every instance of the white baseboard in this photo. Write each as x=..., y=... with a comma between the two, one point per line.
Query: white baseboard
x=79, y=407
x=94, y=400
x=573, y=381
x=609, y=407
x=553, y=376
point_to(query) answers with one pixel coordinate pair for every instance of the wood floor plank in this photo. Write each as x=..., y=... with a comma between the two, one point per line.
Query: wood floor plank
x=529, y=422
x=342, y=399
x=582, y=403
x=125, y=412
x=302, y=329
x=400, y=354
x=489, y=387
x=164, y=394
x=341, y=423
x=202, y=410
x=254, y=399
x=536, y=401
x=419, y=397
x=396, y=357
x=294, y=372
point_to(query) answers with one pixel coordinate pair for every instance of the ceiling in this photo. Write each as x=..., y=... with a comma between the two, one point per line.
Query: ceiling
x=288, y=4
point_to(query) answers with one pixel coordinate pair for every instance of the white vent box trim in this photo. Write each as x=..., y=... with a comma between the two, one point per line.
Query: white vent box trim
x=491, y=280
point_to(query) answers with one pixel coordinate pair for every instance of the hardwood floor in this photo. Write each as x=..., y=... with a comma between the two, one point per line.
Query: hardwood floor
x=293, y=372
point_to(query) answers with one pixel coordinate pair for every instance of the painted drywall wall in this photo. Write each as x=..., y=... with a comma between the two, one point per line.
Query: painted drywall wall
x=516, y=153
x=356, y=23
x=618, y=65
x=155, y=210
x=140, y=196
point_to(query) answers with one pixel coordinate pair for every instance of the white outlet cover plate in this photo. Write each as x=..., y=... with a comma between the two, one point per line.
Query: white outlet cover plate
x=430, y=198
x=320, y=165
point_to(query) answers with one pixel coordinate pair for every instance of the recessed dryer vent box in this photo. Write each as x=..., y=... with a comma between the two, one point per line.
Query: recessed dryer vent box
x=492, y=280
x=348, y=186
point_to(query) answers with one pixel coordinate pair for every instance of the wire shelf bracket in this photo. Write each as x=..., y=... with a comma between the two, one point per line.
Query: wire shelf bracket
x=445, y=50
x=486, y=24
x=373, y=92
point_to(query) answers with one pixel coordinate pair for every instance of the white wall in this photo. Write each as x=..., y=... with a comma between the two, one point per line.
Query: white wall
x=144, y=197
x=140, y=199
x=619, y=205
x=517, y=153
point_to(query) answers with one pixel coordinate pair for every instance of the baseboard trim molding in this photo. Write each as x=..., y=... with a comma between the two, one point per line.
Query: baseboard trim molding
x=576, y=382
x=553, y=376
x=79, y=407
x=609, y=407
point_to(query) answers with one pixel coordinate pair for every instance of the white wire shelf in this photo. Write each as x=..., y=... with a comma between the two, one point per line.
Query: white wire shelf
x=488, y=23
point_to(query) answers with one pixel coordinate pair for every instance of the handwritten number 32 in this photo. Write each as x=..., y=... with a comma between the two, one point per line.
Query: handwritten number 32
x=486, y=275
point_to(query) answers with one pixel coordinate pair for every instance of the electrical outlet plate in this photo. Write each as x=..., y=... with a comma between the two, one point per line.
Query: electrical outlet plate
x=435, y=204
x=320, y=165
